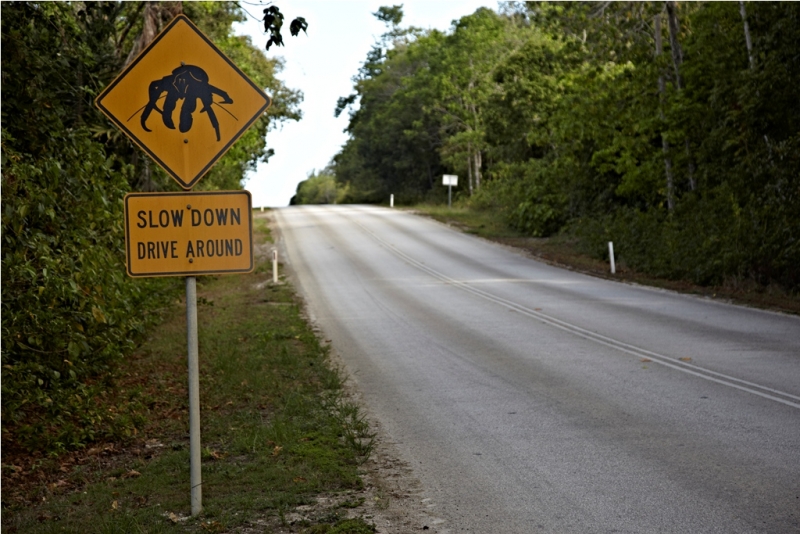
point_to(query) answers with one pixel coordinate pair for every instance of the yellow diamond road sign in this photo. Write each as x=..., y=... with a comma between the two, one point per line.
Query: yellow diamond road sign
x=183, y=102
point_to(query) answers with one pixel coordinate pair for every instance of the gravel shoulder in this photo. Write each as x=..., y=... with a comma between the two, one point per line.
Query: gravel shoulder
x=393, y=498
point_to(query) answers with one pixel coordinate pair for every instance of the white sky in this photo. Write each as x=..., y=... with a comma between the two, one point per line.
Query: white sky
x=321, y=65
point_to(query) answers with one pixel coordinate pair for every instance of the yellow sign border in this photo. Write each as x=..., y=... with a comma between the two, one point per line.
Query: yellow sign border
x=192, y=181
x=188, y=195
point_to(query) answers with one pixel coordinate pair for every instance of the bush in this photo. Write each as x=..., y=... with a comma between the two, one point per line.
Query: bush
x=69, y=312
x=706, y=240
x=521, y=194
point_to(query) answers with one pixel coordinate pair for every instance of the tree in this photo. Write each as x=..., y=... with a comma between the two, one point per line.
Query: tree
x=392, y=148
x=70, y=315
x=582, y=118
x=318, y=188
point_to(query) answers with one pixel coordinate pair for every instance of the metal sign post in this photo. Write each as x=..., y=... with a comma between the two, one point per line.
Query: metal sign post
x=449, y=180
x=188, y=233
x=196, y=477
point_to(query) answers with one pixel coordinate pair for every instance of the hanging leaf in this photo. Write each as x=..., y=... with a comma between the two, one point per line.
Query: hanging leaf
x=298, y=24
x=273, y=22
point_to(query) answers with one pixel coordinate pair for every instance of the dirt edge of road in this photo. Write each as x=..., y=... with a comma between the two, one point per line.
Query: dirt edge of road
x=393, y=497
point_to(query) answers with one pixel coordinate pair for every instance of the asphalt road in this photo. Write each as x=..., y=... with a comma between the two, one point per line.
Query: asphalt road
x=529, y=398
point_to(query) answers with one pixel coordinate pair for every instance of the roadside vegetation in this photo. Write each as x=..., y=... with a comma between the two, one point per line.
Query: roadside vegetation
x=70, y=315
x=564, y=250
x=94, y=393
x=319, y=187
x=668, y=128
x=278, y=430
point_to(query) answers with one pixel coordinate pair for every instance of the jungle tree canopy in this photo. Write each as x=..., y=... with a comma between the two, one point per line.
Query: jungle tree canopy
x=671, y=129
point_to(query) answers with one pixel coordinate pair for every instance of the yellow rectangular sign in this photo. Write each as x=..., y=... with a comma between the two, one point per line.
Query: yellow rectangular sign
x=187, y=234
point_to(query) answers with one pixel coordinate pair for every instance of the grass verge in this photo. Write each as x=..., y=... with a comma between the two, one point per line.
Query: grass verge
x=563, y=251
x=278, y=431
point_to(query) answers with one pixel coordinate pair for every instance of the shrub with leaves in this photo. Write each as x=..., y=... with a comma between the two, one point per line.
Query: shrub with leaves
x=69, y=312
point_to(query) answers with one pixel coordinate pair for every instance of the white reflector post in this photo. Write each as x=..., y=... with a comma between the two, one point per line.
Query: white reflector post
x=611, y=256
x=449, y=180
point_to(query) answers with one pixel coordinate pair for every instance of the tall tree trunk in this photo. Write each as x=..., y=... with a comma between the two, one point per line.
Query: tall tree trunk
x=747, y=40
x=674, y=44
x=154, y=12
x=677, y=61
x=476, y=156
x=749, y=43
x=149, y=30
x=469, y=173
x=478, y=160
x=664, y=142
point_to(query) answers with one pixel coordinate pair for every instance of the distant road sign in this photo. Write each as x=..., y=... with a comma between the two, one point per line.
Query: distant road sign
x=449, y=179
x=183, y=102
x=187, y=234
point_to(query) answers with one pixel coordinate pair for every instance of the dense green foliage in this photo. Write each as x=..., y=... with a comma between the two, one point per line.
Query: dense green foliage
x=652, y=125
x=319, y=188
x=69, y=313
x=278, y=430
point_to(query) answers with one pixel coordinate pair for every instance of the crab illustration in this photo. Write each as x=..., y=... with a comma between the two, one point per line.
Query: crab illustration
x=188, y=83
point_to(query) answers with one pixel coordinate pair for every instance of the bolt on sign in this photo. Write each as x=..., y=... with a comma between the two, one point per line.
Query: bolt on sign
x=183, y=102
x=189, y=233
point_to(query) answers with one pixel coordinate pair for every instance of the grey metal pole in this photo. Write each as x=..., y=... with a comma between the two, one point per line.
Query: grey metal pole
x=449, y=194
x=194, y=395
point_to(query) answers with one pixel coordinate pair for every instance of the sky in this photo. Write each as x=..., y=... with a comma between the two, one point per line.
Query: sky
x=322, y=65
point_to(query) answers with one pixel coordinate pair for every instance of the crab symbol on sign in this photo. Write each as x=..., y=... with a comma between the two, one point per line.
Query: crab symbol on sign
x=190, y=84
x=168, y=101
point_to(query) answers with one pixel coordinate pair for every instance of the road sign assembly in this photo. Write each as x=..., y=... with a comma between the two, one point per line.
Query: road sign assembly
x=449, y=180
x=183, y=102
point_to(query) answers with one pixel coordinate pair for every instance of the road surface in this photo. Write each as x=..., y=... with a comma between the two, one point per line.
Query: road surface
x=530, y=398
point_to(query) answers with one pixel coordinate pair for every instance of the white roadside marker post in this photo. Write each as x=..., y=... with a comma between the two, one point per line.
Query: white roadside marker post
x=449, y=195
x=391, y=201
x=274, y=266
x=449, y=180
x=194, y=396
x=611, y=256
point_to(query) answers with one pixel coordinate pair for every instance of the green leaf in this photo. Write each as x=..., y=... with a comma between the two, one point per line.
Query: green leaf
x=98, y=314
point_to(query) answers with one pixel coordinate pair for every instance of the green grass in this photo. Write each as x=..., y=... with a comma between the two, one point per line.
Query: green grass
x=564, y=251
x=277, y=430
x=261, y=230
x=481, y=223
